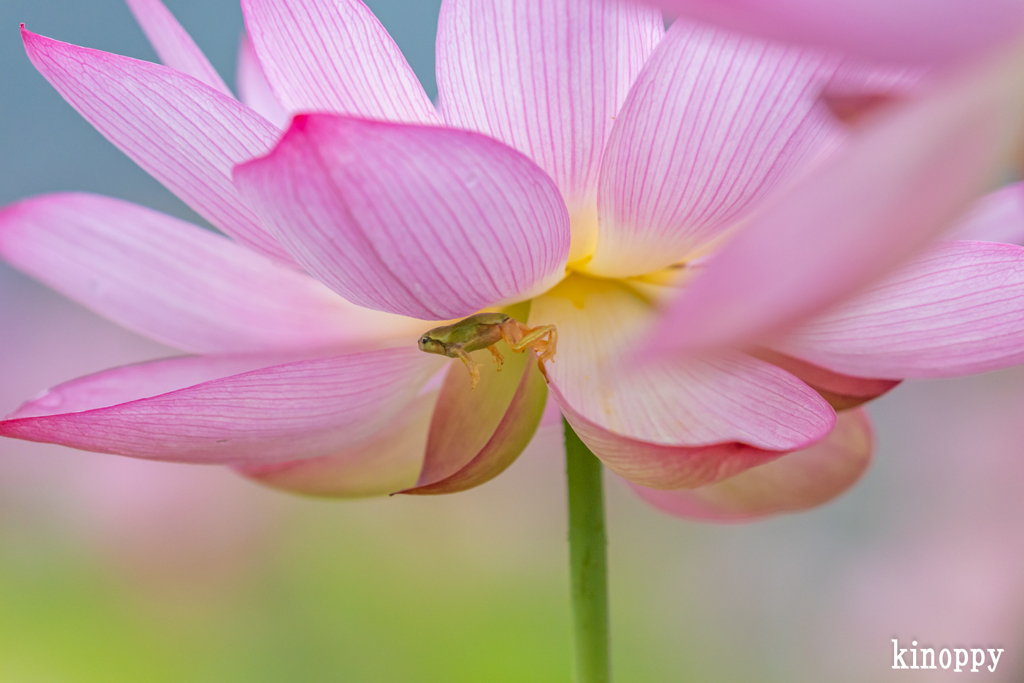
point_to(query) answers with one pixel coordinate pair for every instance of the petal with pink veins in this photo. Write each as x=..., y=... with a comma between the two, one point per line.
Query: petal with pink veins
x=254, y=89
x=900, y=181
x=841, y=391
x=173, y=45
x=135, y=382
x=796, y=481
x=713, y=123
x=390, y=462
x=956, y=309
x=909, y=31
x=546, y=77
x=302, y=409
x=477, y=433
x=659, y=466
x=179, y=284
x=432, y=223
x=996, y=217
x=334, y=56
x=182, y=132
x=700, y=401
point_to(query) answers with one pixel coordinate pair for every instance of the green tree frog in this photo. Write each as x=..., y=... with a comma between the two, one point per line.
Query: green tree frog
x=483, y=331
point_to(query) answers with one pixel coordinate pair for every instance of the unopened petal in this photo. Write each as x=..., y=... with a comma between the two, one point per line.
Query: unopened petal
x=714, y=122
x=302, y=409
x=184, y=133
x=796, y=481
x=546, y=77
x=173, y=44
x=477, y=433
x=901, y=181
x=956, y=309
x=334, y=56
x=432, y=223
x=179, y=284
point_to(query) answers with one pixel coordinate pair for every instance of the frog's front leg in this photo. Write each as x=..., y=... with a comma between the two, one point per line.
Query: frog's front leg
x=519, y=337
x=498, y=358
x=467, y=360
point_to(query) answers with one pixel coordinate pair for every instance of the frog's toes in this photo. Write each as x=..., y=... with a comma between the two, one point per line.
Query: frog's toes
x=498, y=358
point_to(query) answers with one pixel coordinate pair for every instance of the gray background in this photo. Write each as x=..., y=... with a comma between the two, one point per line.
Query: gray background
x=45, y=145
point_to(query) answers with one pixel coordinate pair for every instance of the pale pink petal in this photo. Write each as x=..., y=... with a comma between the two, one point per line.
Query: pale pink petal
x=956, y=309
x=700, y=401
x=297, y=410
x=477, y=433
x=901, y=181
x=185, y=134
x=544, y=76
x=173, y=45
x=911, y=31
x=388, y=463
x=433, y=223
x=996, y=217
x=179, y=284
x=714, y=122
x=135, y=382
x=253, y=87
x=334, y=56
x=660, y=466
x=796, y=481
x=841, y=391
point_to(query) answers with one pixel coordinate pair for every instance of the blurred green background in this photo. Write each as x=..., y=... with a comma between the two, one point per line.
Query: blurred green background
x=118, y=570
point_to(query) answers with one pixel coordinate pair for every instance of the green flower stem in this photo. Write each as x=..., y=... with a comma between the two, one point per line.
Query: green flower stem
x=588, y=560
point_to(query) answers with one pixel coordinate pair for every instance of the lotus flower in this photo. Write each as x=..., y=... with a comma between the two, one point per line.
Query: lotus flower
x=699, y=226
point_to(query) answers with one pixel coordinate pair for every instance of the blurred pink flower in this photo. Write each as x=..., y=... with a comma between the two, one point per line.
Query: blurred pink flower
x=580, y=159
x=907, y=31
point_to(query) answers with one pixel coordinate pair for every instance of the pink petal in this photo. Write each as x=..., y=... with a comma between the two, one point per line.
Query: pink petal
x=253, y=87
x=796, y=481
x=135, y=382
x=297, y=410
x=912, y=31
x=700, y=401
x=841, y=391
x=390, y=462
x=334, y=56
x=180, y=284
x=660, y=466
x=173, y=45
x=713, y=123
x=956, y=309
x=996, y=217
x=860, y=88
x=544, y=76
x=185, y=134
x=432, y=223
x=901, y=181
x=477, y=433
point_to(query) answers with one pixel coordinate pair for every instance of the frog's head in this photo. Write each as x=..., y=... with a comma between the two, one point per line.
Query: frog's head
x=432, y=345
